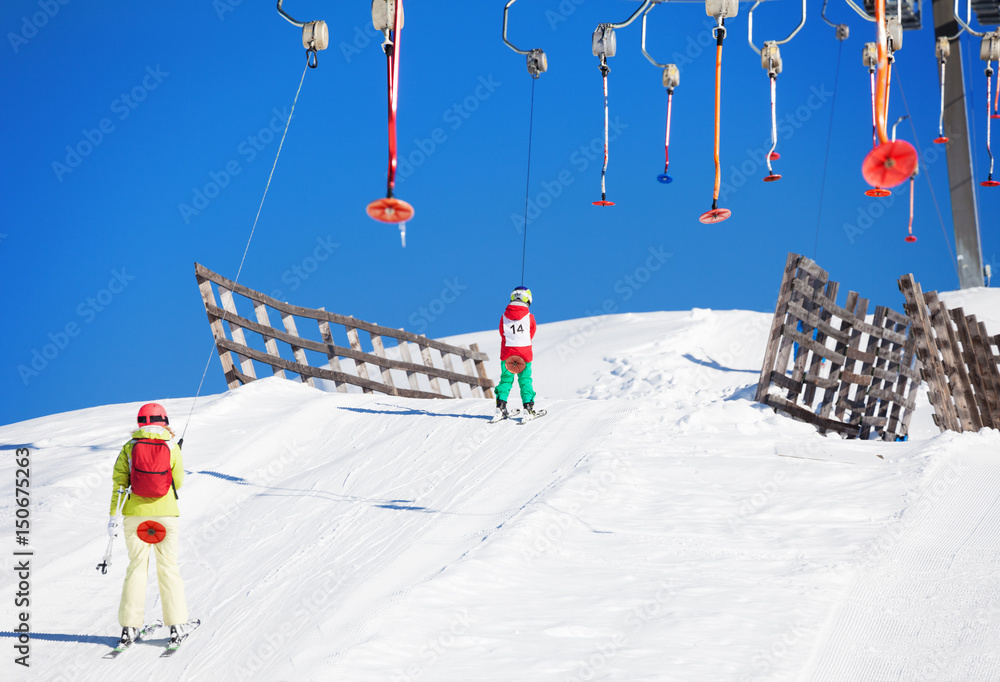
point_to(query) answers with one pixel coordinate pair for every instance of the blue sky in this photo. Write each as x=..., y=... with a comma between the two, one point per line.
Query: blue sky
x=118, y=119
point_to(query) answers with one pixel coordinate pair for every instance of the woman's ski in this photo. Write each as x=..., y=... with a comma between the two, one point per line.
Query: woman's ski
x=122, y=648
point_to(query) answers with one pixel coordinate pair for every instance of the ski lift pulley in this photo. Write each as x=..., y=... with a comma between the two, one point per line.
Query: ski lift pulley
x=315, y=35
x=536, y=59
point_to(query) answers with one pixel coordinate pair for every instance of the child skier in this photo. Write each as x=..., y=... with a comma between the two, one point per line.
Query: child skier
x=149, y=469
x=517, y=329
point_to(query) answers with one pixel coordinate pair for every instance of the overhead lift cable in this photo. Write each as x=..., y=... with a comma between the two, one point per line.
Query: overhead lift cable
x=537, y=65
x=317, y=32
x=842, y=34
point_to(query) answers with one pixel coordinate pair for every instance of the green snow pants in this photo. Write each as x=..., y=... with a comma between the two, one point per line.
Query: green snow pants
x=523, y=383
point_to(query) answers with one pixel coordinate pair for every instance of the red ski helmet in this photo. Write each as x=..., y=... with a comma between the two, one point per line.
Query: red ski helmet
x=151, y=413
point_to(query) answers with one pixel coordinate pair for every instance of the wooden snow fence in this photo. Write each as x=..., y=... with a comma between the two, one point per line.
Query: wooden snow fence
x=825, y=365
x=423, y=379
x=958, y=361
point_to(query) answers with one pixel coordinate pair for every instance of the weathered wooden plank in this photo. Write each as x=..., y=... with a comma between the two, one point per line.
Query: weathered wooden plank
x=813, y=285
x=867, y=367
x=470, y=369
x=848, y=376
x=229, y=316
x=810, y=344
x=331, y=353
x=816, y=380
x=455, y=386
x=219, y=334
x=991, y=378
x=346, y=321
x=932, y=370
x=411, y=376
x=946, y=345
x=484, y=379
x=325, y=373
x=809, y=397
x=300, y=354
x=855, y=379
x=360, y=366
x=966, y=372
x=802, y=414
x=843, y=338
x=777, y=322
x=425, y=355
x=380, y=352
x=260, y=311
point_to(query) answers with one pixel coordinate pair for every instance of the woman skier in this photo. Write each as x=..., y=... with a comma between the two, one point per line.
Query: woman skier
x=148, y=472
x=517, y=329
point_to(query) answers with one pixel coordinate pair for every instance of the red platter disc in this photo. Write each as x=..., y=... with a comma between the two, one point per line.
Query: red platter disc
x=889, y=164
x=716, y=215
x=390, y=210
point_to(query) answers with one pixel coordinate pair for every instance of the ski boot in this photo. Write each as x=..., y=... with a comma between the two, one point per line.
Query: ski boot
x=530, y=408
x=176, y=633
x=501, y=412
x=128, y=636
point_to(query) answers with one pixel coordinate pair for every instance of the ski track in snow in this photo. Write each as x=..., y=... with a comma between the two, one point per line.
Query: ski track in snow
x=925, y=605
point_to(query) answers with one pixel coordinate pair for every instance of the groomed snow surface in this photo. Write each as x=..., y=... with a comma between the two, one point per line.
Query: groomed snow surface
x=656, y=525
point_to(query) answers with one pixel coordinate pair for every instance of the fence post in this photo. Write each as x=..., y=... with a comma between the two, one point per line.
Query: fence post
x=380, y=352
x=300, y=354
x=481, y=371
x=218, y=333
x=260, y=310
x=332, y=359
x=404, y=353
x=777, y=323
x=352, y=337
x=246, y=364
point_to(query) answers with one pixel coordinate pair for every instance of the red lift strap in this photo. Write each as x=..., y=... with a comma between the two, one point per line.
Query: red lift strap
x=892, y=161
x=390, y=209
x=604, y=169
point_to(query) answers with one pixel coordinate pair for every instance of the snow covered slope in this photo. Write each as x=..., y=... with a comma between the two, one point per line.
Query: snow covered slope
x=656, y=525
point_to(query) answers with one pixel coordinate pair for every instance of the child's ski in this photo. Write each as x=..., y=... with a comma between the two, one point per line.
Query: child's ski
x=122, y=648
x=531, y=416
x=175, y=644
x=498, y=418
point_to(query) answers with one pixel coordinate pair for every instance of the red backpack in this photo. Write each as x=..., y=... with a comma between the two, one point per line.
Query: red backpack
x=150, y=472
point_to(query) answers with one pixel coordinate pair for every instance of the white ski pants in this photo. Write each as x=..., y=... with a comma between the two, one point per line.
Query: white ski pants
x=131, y=612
